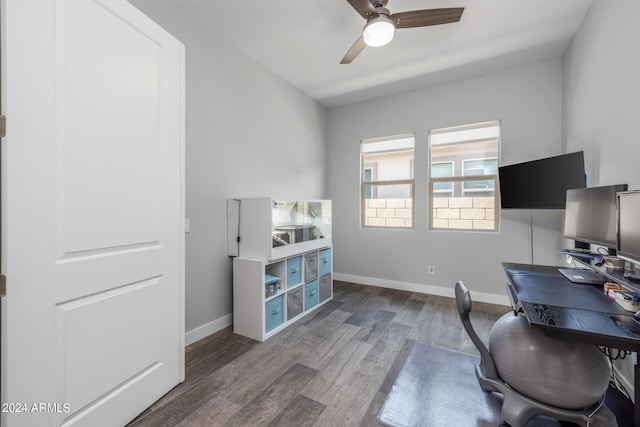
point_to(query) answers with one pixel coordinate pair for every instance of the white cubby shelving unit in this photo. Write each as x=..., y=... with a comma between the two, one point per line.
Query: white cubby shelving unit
x=283, y=262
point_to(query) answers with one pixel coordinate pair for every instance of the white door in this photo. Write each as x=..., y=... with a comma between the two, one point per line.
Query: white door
x=92, y=233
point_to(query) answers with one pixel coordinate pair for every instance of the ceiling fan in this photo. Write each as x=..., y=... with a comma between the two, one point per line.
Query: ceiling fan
x=381, y=24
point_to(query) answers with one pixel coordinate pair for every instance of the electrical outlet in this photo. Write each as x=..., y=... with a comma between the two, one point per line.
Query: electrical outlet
x=431, y=270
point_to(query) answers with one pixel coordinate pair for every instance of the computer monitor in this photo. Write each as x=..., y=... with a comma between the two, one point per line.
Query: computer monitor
x=590, y=216
x=629, y=227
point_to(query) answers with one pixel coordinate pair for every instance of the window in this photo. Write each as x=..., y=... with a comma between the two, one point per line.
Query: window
x=442, y=170
x=463, y=175
x=479, y=167
x=387, y=185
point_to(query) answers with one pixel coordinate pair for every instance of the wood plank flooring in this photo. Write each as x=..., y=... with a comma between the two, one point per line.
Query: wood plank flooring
x=334, y=367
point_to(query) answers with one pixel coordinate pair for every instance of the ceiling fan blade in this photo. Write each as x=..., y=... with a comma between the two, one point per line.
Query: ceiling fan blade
x=363, y=7
x=424, y=18
x=354, y=51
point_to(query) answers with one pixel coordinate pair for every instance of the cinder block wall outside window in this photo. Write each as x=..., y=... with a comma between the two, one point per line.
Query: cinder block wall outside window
x=465, y=213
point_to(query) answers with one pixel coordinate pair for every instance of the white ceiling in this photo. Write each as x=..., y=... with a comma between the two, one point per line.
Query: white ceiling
x=303, y=41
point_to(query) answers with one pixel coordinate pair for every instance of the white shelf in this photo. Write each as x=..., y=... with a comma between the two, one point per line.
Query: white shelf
x=288, y=240
x=258, y=316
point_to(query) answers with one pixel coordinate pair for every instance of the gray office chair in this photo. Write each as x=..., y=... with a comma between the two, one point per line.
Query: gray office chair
x=518, y=409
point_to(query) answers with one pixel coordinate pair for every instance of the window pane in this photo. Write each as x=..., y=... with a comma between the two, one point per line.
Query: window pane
x=442, y=170
x=478, y=168
x=474, y=188
x=468, y=212
x=387, y=182
x=459, y=151
x=471, y=151
x=388, y=144
x=368, y=174
x=392, y=159
x=391, y=207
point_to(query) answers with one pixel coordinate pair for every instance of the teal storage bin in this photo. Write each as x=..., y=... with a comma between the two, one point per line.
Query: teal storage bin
x=294, y=271
x=310, y=294
x=324, y=264
x=274, y=313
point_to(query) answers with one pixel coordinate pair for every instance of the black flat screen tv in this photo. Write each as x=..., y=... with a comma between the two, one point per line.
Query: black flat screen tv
x=541, y=184
x=590, y=215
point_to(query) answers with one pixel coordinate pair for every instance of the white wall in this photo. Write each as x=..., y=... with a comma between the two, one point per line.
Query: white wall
x=601, y=93
x=527, y=100
x=601, y=102
x=248, y=134
x=251, y=134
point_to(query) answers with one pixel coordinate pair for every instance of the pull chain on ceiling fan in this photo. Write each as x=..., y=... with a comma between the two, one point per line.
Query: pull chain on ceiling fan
x=381, y=24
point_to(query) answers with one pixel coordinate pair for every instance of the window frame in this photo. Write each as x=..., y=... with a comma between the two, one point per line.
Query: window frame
x=374, y=184
x=459, y=180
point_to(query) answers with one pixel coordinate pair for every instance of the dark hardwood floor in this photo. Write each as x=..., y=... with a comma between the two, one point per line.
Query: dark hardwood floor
x=333, y=367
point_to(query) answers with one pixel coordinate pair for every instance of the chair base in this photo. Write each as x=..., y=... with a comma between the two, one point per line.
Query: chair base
x=518, y=409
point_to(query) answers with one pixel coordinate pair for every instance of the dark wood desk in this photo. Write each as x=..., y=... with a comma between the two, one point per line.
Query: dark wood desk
x=574, y=312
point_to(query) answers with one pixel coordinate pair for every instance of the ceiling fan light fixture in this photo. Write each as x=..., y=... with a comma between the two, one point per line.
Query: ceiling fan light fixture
x=379, y=31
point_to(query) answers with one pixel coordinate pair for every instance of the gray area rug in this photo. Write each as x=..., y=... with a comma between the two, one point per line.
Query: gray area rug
x=437, y=387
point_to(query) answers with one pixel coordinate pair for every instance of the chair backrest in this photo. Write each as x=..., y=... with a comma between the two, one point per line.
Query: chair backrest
x=463, y=303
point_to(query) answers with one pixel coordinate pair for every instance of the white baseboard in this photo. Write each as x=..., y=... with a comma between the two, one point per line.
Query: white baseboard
x=422, y=288
x=207, y=329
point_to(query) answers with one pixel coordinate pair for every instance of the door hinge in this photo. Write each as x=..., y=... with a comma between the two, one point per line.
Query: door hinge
x=3, y=126
x=3, y=285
